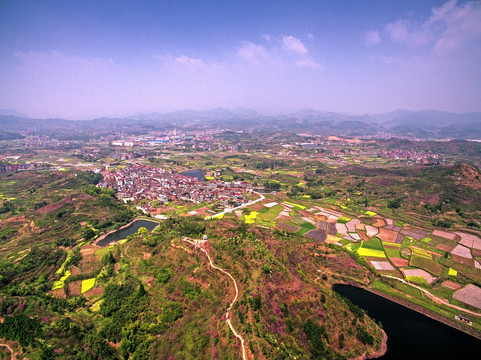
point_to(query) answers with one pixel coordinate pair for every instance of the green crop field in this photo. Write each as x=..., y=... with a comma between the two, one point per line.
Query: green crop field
x=392, y=252
x=305, y=227
x=374, y=244
x=429, y=265
x=271, y=213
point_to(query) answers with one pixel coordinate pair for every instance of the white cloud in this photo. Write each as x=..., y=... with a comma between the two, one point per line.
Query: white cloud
x=266, y=37
x=403, y=31
x=458, y=24
x=309, y=63
x=449, y=26
x=288, y=51
x=253, y=53
x=290, y=43
x=188, y=60
x=373, y=37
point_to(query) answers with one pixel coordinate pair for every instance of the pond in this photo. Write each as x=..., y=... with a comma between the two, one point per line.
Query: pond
x=199, y=174
x=412, y=335
x=126, y=231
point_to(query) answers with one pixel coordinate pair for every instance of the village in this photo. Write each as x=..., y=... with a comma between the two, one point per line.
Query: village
x=137, y=182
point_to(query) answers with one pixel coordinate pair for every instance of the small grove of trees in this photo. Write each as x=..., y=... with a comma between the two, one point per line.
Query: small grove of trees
x=394, y=204
x=6, y=207
x=20, y=328
x=186, y=227
x=75, y=259
x=272, y=185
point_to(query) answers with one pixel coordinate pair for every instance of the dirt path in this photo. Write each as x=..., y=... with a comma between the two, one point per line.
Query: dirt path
x=237, y=335
x=12, y=354
x=435, y=298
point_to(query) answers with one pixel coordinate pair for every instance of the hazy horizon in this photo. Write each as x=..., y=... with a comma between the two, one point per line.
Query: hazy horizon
x=82, y=60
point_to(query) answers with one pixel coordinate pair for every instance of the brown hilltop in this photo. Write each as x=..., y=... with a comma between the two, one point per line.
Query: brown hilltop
x=467, y=175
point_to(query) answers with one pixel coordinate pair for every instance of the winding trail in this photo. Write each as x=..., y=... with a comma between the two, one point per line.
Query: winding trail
x=261, y=197
x=237, y=335
x=12, y=354
x=435, y=298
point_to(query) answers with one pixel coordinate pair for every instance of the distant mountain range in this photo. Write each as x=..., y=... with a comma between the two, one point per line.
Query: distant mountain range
x=426, y=124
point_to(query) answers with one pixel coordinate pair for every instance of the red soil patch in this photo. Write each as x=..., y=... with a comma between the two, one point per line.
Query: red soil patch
x=282, y=226
x=476, y=253
x=90, y=259
x=445, y=247
x=361, y=226
x=446, y=235
x=399, y=262
x=59, y=293
x=462, y=260
x=203, y=211
x=305, y=213
x=451, y=285
x=257, y=207
x=363, y=235
x=14, y=219
x=54, y=207
x=387, y=235
x=96, y=291
x=317, y=234
x=87, y=250
x=162, y=209
x=75, y=288
x=379, y=222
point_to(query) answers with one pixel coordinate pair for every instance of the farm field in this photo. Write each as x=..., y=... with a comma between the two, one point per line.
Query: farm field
x=327, y=217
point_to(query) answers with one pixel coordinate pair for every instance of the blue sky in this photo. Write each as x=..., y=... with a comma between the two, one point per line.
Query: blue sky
x=85, y=59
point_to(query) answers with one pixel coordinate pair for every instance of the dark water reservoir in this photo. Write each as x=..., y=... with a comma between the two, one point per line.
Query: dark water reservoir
x=199, y=174
x=412, y=335
x=129, y=230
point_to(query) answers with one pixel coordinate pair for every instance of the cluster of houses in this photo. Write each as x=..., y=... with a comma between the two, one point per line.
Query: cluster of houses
x=411, y=155
x=6, y=166
x=137, y=182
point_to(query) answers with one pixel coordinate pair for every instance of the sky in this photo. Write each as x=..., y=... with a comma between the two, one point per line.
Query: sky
x=92, y=58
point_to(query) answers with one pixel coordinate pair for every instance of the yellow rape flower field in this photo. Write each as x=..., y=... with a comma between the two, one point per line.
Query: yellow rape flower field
x=87, y=284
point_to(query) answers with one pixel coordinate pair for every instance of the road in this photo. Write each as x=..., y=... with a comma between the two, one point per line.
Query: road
x=435, y=298
x=261, y=197
x=237, y=335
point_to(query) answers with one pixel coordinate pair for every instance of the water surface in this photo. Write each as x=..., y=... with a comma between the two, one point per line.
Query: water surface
x=199, y=174
x=412, y=335
x=129, y=230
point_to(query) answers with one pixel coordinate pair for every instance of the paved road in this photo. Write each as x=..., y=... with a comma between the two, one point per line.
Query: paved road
x=434, y=297
x=237, y=335
x=261, y=197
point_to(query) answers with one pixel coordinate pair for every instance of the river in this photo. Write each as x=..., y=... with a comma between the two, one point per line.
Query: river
x=412, y=335
x=129, y=230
